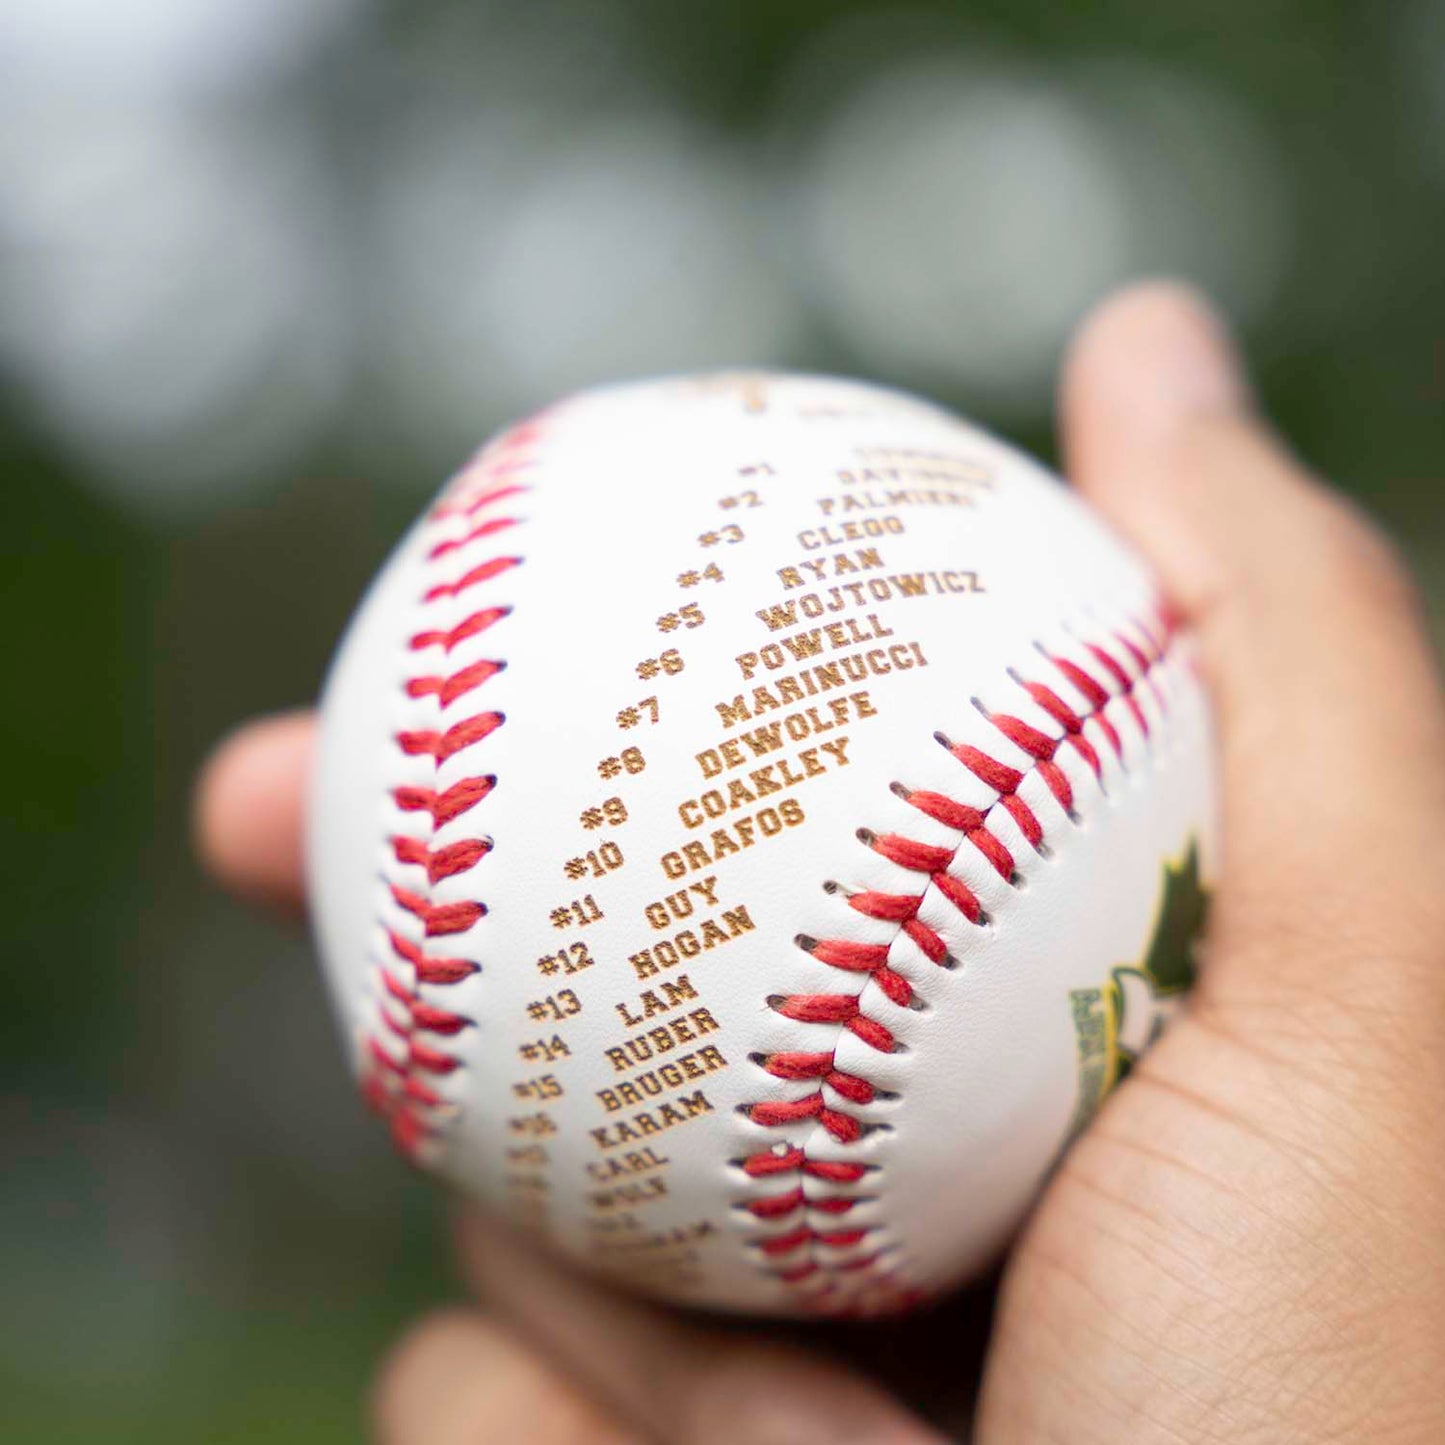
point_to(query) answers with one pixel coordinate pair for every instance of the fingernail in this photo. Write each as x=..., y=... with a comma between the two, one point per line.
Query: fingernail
x=1182, y=360
x=1150, y=359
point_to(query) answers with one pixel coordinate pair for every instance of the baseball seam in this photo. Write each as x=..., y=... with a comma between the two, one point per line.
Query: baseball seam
x=810, y=1256
x=405, y=1055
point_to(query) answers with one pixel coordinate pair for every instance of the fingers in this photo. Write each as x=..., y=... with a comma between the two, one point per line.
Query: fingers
x=676, y=1380
x=1333, y=733
x=461, y=1379
x=249, y=807
x=1290, y=586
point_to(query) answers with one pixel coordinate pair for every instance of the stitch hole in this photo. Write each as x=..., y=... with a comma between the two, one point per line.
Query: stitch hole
x=902, y=790
x=801, y=940
x=979, y=705
x=866, y=836
x=942, y=740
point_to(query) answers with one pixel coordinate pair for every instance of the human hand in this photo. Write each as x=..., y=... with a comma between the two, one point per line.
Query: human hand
x=1247, y=1244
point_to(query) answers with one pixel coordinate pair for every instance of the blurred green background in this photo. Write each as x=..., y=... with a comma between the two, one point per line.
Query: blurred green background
x=270, y=268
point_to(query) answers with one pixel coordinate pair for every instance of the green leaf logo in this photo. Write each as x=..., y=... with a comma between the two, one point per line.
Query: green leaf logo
x=1170, y=960
x=1117, y=1021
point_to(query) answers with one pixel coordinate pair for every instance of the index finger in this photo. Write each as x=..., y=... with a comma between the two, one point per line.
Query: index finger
x=249, y=809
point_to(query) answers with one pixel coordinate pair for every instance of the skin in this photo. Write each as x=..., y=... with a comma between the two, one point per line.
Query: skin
x=1248, y=1245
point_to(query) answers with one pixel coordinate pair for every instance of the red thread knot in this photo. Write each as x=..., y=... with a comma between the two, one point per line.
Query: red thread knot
x=441, y=862
x=449, y=689
x=471, y=626
x=444, y=745
x=447, y=805
x=439, y=918
x=890, y=907
x=951, y=814
x=999, y=776
x=853, y=957
x=776, y=1206
x=428, y=969
x=842, y=1127
x=483, y=572
x=1036, y=744
x=910, y=854
x=474, y=534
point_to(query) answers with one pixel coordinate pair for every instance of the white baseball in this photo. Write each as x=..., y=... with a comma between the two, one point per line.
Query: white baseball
x=758, y=818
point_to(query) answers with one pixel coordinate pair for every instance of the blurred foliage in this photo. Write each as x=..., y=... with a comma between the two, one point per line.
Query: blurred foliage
x=203, y=1240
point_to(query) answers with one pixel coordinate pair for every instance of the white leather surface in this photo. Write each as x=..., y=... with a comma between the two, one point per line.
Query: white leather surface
x=620, y=485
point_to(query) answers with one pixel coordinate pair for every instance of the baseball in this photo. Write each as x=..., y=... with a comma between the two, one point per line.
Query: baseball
x=758, y=819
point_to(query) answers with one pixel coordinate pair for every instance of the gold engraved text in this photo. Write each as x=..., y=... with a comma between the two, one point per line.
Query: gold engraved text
x=740, y=833
x=770, y=778
x=634, y=1092
x=709, y=934
x=646, y=1122
x=809, y=682
x=661, y=1039
x=814, y=642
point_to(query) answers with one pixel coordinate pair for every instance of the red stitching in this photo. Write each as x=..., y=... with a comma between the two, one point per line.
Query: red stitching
x=401, y=1064
x=445, y=806
x=439, y=918
x=469, y=627
x=493, y=567
x=441, y=862
x=780, y=1253
x=443, y=745
x=448, y=689
x=482, y=529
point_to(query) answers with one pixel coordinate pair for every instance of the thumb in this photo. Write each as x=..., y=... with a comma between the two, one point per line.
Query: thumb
x=1332, y=730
